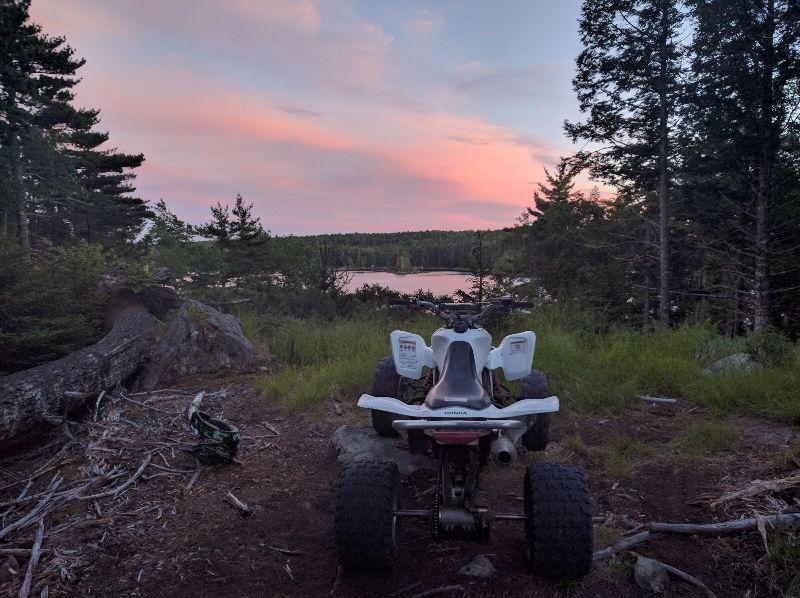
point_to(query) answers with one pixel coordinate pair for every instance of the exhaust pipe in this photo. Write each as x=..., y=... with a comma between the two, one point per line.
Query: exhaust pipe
x=503, y=451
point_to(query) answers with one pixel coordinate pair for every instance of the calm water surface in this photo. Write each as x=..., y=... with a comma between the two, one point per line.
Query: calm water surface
x=444, y=282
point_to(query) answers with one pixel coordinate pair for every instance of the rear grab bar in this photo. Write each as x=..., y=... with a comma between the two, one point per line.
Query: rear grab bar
x=457, y=424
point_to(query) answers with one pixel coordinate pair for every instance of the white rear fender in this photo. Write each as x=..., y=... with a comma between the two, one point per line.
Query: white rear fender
x=519, y=409
x=410, y=354
x=514, y=355
x=511, y=422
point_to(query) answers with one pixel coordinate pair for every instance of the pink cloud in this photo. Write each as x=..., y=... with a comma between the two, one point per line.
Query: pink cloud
x=346, y=152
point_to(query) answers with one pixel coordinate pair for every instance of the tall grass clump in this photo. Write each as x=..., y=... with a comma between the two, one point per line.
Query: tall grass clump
x=323, y=359
x=590, y=369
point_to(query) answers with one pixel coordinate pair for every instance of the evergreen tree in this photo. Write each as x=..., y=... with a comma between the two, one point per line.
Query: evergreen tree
x=37, y=74
x=628, y=84
x=242, y=240
x=105, y=211
x=58, y=183
x=554, y=242
x=480, y=268
x=739, y=120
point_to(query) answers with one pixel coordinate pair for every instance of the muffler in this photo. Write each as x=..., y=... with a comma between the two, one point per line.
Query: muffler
x=503, y=451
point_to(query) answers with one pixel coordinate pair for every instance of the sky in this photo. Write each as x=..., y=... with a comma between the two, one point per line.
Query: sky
x=331, y=115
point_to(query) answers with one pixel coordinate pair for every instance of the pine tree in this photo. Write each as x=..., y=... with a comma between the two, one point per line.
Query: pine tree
x=746, y=72
x=627, y=83
x=36, y=78
x=105, y=210
x=58, y=183
x=242, y=240
x=480, y=267
x=554, y=242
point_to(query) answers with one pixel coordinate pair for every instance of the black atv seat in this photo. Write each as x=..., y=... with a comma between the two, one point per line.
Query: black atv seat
x=459, y=384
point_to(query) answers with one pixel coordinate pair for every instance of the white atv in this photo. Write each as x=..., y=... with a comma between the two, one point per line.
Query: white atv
x=466, y=419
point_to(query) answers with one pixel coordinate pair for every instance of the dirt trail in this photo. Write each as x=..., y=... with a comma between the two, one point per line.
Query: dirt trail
x=195, y=544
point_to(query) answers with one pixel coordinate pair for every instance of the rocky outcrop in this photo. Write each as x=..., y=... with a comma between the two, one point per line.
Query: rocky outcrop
x=363, y=444
x=735, y=362
x=198, y=340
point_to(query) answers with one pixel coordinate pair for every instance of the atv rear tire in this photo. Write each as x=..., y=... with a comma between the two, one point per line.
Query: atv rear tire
x=558, y=521
x=385, y=383
x=534, y=386
x=366, y=529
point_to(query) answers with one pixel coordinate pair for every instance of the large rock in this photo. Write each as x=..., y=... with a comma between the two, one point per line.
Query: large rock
x=480, y=567
x=363, y=444
x=650, y=575
x=737, y=361
x=198, y=340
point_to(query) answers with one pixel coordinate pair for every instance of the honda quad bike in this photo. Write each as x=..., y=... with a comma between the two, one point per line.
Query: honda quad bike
x=465, y=420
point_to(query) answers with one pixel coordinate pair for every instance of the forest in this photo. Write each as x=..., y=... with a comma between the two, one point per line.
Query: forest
x=424, y=250
x=690, y=116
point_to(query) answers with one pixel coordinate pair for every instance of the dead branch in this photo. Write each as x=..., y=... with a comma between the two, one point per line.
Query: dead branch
x=336, y=581
x=286, y=551
x=238, y=504
x=36, y=552
x=150, y=407
x=97, y=404
x=194, y=406
x=621, y=545
x=122, y=487
x=439, y=590
x=758, y=487
x=656, y=399
x=271, y=428
x=193, y=480
x=688, y=578
x=783, y=520
x=38, y=511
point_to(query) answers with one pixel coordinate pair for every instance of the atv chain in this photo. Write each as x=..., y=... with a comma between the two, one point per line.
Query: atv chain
x=436, y=530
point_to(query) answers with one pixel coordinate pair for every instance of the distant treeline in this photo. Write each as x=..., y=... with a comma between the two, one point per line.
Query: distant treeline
x=431, y=249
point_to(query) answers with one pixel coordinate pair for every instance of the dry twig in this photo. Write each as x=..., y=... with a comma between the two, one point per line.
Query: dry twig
x=439, y=590
x=36, y=552
x=238, y=504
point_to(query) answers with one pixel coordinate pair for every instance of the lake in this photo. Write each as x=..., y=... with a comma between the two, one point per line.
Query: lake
x=440, y=282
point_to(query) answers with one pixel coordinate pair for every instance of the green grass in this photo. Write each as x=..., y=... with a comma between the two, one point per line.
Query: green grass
x=325, y=359
x=705, y=436
x=589, y=371
x=621, y=454
x=574, y=442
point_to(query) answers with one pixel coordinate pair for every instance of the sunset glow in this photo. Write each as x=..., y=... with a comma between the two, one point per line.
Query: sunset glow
x=331, y=116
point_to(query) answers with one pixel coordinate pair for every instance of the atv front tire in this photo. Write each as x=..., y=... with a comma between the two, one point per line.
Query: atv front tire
x=366, y=529
x=558, y=521
x=534, y=386
x=385, y=383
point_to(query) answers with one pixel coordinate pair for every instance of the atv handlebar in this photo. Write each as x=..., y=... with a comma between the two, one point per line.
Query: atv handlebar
x=457, y=314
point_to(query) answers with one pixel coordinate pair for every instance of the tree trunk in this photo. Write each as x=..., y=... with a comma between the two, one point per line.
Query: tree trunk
x=30, y=396
x=647, y=282
x=664, y=307
x=18, y=198
x=761, y=307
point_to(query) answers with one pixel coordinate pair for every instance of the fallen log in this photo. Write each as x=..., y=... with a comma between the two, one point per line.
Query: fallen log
x=198, y=339
x=29, y=397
